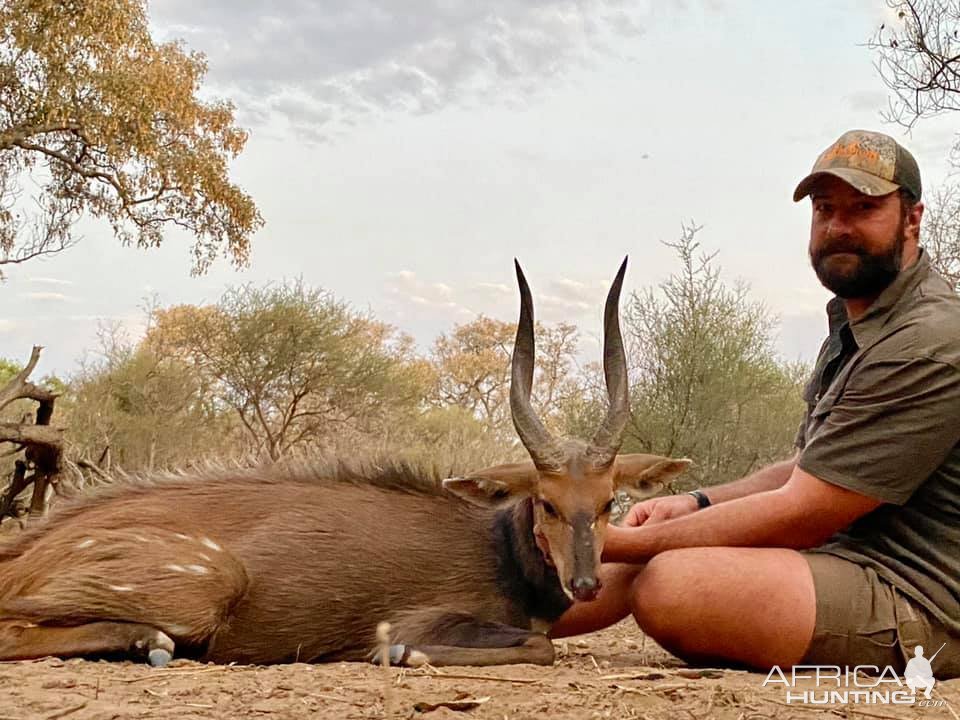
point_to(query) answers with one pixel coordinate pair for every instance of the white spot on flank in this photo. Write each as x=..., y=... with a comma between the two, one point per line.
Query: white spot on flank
x=211, y=544
x=198, y=569
x=120, y=588
x=204, y=556
x=182, y=536
x=86, y=543
x=140, y=538
x=176, y=568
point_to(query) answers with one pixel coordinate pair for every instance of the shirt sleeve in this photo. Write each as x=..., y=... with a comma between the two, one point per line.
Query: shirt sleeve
x=893, y=425
x=801, y=437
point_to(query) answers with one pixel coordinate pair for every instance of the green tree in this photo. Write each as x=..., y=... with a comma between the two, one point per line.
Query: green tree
x=103, y=120
x=451, y=439
x=141, y=410
x=298, y=367
x=706, y=382
x=472, y=365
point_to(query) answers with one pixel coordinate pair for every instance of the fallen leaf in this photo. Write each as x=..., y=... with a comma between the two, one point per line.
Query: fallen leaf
x=458, y=705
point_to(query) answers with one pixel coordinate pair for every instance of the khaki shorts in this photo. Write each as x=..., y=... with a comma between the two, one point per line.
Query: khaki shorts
x=864, y=620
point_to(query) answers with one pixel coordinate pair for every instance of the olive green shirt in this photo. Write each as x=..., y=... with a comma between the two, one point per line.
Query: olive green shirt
x=883, y=419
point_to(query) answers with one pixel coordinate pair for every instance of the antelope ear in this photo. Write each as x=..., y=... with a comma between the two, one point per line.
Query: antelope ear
x=644, y=475
x=495, y=486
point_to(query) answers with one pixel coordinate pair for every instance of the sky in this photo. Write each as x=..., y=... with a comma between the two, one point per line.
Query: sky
x=403, y=152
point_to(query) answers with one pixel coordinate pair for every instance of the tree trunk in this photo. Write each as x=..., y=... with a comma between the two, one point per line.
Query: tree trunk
x=42, y=444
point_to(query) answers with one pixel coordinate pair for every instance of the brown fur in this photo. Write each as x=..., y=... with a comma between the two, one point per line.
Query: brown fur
x=279, y=565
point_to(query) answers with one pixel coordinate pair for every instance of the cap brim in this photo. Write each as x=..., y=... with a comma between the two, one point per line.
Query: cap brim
x=858, y=179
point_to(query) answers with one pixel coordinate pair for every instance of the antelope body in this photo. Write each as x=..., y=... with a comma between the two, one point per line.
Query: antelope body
x=300, y=565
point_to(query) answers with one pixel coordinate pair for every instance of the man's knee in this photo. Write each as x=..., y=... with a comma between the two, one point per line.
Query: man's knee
x=660, y=592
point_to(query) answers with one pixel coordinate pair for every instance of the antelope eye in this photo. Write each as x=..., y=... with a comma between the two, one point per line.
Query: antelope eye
x=608, y=508
x=548, y=508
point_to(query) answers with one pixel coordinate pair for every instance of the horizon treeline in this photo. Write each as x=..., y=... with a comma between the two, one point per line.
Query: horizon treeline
x=287, y=370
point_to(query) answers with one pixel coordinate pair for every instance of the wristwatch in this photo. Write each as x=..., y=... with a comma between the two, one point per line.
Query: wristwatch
x=701, y=498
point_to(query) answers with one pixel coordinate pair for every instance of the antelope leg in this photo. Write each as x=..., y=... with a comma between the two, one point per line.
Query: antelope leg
x=536, y=649
x=452, y=638
x=26, y=641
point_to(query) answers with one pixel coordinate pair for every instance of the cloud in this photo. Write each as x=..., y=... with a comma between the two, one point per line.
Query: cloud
x=570, y=300
x=7, y=326
x=48, y=281
x=495, y=292
x=47, y=297
x=406, y=286
x=563, y=299
x=324, y=65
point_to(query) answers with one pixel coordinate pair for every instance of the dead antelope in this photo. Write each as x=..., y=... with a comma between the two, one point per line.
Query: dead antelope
x=281, y=566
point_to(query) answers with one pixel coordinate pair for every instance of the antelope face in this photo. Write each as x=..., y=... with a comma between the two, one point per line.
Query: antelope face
x=572, y=482
x=570, y=508
x=570, y=516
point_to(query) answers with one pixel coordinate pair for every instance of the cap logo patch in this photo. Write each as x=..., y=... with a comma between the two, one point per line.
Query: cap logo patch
x=850, y=150
x=862, y=153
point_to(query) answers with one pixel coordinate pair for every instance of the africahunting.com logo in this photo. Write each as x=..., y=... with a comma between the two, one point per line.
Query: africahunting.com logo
x=860, y=684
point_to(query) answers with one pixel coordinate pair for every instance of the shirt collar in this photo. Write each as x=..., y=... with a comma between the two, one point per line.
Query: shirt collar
x=867, y=327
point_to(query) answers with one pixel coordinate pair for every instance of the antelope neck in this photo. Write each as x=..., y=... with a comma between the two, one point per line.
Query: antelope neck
x=522, y=572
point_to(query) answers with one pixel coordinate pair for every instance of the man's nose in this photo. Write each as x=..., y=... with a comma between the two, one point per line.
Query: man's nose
x=837, y=226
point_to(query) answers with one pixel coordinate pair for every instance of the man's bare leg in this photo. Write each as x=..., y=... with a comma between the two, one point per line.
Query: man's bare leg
x=755, y=606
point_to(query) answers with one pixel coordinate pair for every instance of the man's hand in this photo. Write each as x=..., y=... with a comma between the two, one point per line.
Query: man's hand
x=656, y=510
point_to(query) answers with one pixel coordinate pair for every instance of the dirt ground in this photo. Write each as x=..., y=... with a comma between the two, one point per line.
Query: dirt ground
x=612, y=674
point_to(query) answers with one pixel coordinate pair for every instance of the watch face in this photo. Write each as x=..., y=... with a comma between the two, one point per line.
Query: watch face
x=702, y=500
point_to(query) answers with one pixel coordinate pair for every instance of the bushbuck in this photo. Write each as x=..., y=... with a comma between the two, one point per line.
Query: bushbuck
x=280, y=565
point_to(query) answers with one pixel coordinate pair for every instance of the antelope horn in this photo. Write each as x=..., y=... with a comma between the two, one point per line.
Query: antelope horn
x=607, y=441
x=543, y=449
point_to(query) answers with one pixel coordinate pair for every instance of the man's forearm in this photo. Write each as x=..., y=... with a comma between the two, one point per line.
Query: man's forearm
x=804, y=512
x=770, y=477
x=763, y=519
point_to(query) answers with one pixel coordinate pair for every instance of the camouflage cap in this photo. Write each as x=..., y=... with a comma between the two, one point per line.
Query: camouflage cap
x=871, y=162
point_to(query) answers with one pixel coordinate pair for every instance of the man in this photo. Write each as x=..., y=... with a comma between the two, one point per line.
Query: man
x=848, y=553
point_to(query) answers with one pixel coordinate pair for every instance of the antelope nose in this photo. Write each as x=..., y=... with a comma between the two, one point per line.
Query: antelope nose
x=585, y=589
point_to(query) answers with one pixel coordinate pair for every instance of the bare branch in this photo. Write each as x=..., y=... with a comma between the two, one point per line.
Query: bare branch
x=919, y=59
x=9, y=138
x=18, y=483
x=86, y=465
x=31, y=434
x=20, y=389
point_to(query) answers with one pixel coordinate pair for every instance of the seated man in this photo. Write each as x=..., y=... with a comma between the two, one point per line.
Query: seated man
x=848, y=553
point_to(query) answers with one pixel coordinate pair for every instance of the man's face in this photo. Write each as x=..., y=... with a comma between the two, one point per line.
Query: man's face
x=857, y=241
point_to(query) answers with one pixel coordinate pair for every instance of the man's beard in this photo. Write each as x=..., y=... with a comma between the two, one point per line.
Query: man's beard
x=867, y=276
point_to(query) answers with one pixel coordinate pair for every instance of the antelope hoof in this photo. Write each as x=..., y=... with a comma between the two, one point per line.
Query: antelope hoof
x=159, y=657
x=158, y=647
x=396, y=655
x=402, y=655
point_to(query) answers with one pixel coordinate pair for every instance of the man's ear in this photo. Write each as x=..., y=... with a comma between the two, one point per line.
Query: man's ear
x=495, y=486
x=641, y=476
